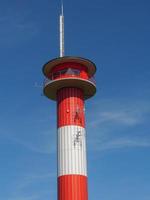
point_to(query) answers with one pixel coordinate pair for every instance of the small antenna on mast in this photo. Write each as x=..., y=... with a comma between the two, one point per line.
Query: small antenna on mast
x=62, y=8
x=62, y=48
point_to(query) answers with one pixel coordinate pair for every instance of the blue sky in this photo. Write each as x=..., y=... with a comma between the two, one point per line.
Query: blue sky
x=116, y=36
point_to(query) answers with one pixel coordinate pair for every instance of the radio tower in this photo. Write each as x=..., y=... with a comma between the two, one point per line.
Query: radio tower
x=69, y=82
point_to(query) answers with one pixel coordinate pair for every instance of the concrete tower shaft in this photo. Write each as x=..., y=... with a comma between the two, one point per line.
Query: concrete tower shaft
x=72, y=167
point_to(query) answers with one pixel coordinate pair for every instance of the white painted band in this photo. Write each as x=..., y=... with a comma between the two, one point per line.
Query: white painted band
x=72, y=151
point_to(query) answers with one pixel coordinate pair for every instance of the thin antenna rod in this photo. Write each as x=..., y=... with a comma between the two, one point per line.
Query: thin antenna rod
x=62, y=8
x=62, y=48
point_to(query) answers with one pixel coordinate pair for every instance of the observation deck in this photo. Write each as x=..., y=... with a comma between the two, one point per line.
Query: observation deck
x=69, y=72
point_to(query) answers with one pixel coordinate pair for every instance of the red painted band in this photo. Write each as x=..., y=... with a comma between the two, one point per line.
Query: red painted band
x=70, y=107
x=72, y=187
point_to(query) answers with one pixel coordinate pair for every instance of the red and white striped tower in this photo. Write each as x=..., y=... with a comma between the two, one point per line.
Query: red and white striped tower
x=70, y=82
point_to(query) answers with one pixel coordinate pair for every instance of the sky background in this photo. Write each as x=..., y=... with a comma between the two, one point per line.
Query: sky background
x=115, y=34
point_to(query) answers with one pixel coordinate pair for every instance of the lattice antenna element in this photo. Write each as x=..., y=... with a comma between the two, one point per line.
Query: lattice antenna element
x=62, y=46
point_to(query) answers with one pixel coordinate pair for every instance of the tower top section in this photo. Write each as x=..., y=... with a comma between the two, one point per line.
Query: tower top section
x=68, y=72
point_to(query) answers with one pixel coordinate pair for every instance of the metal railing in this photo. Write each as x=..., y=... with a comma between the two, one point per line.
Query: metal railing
x=73, y=74
x=92, y=79
x=47, y=81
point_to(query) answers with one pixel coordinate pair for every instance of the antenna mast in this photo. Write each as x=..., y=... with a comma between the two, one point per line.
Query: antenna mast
x=62, y=48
